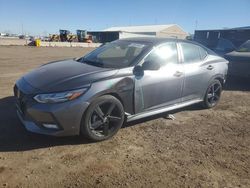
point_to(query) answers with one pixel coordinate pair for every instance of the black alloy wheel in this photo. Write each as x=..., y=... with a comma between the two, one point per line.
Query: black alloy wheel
x=213, y=94
x=103, y=118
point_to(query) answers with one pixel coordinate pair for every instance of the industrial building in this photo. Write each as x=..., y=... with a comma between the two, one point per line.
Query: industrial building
x=211, y=38
x=114, y=33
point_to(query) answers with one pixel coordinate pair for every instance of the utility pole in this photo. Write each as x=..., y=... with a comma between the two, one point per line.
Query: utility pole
x=196, y=24
x=129, y=21
x=156, y=21
x=22, y=28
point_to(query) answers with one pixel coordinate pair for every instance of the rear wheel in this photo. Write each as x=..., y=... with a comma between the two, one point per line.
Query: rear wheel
x=103, y=118
x=213, y=94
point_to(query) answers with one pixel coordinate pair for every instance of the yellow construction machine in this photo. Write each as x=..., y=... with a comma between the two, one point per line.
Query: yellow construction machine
x=54, y=38
x=66, y=36
x=82, y=36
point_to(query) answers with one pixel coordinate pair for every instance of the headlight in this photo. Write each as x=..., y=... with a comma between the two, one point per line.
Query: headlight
x=60, y=97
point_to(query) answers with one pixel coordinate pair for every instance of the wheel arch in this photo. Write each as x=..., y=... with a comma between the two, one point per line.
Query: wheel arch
x=126, y=102
x=116, y=95
x=219, y=77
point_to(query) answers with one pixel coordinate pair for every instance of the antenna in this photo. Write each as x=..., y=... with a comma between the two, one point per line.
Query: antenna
x=196, y=24
x=156, y=21
x=22, y=28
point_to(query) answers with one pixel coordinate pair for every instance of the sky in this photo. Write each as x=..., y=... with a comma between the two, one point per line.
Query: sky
x=42, y=17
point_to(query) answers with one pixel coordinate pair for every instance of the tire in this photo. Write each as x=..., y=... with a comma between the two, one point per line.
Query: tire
x=103, y=118
x=213, y=94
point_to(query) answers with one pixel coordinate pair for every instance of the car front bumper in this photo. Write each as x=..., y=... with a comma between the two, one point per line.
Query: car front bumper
x=65, y=117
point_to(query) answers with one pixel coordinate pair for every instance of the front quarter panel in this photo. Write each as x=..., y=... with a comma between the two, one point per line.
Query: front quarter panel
x=121, y=86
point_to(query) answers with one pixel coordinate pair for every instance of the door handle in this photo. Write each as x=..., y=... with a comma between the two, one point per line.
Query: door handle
x=178, y=74
x=210, y=67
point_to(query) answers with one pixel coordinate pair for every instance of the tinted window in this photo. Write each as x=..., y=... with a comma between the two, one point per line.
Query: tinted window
x=113, y=52
x=164, y=54
x=191, y=53
x=224, y=45
x=244, y=47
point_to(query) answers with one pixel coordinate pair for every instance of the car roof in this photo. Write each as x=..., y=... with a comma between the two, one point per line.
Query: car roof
x=156, y=40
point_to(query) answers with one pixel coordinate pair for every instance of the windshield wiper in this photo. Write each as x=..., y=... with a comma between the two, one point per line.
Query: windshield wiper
x=94, y=63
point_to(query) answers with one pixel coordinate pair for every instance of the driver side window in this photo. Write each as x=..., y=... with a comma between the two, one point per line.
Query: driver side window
x=164, y=54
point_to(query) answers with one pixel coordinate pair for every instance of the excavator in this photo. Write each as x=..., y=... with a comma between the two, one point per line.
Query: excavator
x=66, y=36
x=54, y=38
x=82, y=36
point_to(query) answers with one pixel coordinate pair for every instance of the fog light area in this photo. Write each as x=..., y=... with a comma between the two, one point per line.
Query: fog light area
x=50, y=126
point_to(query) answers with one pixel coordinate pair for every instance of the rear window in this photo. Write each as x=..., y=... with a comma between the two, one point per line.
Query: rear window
x=203, y=53
x=191, y=53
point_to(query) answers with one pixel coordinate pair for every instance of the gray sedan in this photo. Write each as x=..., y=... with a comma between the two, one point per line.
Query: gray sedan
x=121, y=81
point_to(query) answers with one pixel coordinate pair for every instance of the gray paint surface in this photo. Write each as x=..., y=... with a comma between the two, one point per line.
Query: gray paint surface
x=154, y=91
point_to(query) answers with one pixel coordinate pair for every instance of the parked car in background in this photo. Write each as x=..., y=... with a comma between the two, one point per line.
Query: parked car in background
x=124, y=80
x=224, y=46
x=239, y=61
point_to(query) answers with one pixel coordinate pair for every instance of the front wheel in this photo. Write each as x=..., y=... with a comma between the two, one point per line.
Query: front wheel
x=213, y=94
x=103, y=118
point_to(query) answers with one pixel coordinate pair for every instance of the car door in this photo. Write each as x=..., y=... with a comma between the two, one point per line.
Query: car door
x=158, y=88
x=198, y=71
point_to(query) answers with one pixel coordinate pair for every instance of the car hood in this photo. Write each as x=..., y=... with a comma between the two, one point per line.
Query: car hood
x=238, y=56
x=65, y=75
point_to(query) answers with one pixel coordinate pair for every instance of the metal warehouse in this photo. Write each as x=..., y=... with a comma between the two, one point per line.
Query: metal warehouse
x=210, y=38
x=113, y=33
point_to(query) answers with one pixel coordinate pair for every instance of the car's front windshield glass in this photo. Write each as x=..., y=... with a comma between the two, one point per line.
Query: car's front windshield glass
x=225, y=45
x=117, y=54
x=245, y=47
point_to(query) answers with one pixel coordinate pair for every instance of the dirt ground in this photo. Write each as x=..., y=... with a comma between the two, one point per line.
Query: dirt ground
x=201, y=148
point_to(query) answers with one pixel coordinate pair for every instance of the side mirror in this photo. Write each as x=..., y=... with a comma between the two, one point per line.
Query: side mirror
x=138, y=71
x=151, y=65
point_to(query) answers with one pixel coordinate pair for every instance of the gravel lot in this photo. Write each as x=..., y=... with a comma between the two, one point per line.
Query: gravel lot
x=201, y=148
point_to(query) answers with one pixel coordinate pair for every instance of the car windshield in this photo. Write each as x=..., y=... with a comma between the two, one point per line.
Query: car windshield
x=117, y=54
x=225, y=45
x=245, y=47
